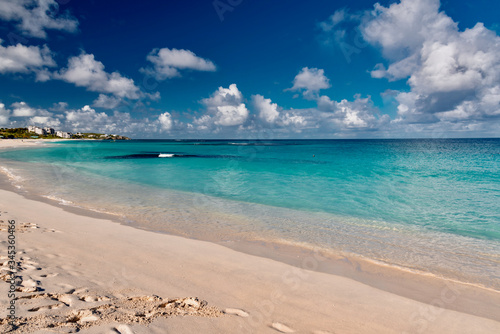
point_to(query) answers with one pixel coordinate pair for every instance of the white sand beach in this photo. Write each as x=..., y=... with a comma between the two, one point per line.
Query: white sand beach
x=87, y=273
x=20, y=143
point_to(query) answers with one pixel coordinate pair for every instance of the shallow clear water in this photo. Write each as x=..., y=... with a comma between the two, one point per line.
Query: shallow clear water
x=432, y=205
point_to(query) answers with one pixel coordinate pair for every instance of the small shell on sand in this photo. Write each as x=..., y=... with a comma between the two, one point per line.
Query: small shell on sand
x=282, y=328
x=238, y=312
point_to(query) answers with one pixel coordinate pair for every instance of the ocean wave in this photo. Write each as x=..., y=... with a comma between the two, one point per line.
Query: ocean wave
x=170, y=155
x=257, y=144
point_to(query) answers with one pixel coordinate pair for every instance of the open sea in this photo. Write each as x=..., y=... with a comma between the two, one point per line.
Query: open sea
x=425, y=205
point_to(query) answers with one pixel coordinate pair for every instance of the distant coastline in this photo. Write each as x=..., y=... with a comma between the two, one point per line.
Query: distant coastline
x=33, y=132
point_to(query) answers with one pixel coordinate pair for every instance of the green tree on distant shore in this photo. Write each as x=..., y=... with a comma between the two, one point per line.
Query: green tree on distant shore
x=23, y=133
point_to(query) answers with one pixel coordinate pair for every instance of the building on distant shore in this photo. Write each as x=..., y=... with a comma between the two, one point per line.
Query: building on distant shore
x=32, y=131
x=63, y=134
x=37, y=130
x=49, y=131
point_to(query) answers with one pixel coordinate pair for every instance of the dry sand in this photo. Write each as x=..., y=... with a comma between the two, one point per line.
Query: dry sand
x=97, y=276
x=20, y=143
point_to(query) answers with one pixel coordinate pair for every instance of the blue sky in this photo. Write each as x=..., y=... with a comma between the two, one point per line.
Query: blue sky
x=252, y=69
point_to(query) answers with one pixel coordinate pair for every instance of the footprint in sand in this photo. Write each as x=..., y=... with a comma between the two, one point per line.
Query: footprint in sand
x=29, y=285
x=238, y=312
x=28, y=268
x=28, y=289
x=65, y=299
x=6, y=274
x=131, y=310
x=22, y=227
x=90, y=299
x=282, y=328
x=68, y=300
x=46, y=307
x=79, y=291
x=42, y=295
x=25, y=265
x=29, y=282
x=28, y=260
x=82, y=294
x=68, y=287
x=82, y=316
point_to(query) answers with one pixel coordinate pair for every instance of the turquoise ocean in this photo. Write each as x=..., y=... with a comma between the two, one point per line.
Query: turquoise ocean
x=426, y=205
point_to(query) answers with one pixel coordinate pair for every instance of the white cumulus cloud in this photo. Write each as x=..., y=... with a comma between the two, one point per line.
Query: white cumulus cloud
x=22, y=109
x=344, y=116
x=45, y=121
x=453, y=75
x=4, y=114
x=25, y=59
x=267, y=111
x=22, y=114
x=107, y=101
x=226, y=107
x=85, y=71
x=295, y=121
x=165, y=121
x=310, y=81
x=86, y=119
x=167, y=63
x=34, y=17
x=231, y=115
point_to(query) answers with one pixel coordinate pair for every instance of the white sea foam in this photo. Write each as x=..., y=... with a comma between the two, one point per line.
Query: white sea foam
x=59, y=200
x=14, y=179
x=166, y=155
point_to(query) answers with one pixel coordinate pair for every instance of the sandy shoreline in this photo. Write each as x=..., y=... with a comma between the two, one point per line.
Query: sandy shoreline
x=19, y=143
x=78, y=263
